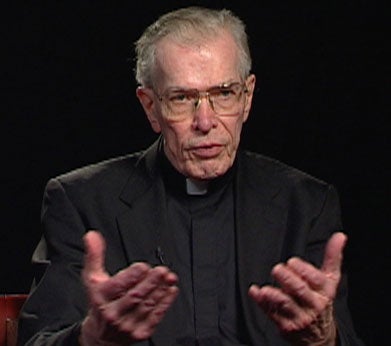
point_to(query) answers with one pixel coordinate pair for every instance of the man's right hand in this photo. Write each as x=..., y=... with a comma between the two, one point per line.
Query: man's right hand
x=126, y=307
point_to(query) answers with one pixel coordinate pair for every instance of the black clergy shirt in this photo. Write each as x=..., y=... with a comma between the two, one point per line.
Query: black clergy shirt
x=203, y=257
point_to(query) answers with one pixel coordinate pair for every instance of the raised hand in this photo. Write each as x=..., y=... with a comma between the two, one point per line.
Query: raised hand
x=126, y=307
x=302, y=305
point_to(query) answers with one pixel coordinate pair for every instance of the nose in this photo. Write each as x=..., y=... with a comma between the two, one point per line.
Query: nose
x=204, y=116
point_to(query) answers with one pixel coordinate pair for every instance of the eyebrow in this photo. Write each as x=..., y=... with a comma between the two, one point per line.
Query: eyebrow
x=221, y=85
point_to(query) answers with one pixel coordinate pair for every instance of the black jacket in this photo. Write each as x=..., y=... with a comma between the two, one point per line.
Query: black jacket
x=279, y=212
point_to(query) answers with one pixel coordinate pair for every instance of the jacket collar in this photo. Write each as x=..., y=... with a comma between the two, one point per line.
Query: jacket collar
x=144, y=175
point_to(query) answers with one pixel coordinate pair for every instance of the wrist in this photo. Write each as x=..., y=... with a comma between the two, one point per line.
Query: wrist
x=88, y=336
x=85, y=339
x=321, y=332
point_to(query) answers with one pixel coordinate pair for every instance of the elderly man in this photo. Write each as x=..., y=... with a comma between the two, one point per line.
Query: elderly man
x=191, y=242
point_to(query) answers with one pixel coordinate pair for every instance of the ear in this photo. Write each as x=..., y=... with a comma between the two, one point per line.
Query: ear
x=147, y=100
x=250, y=85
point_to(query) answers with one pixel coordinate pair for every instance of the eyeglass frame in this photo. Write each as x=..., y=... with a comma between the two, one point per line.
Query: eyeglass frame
x=202, y=94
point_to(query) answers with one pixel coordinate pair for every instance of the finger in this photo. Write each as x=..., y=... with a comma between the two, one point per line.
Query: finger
x=314, y=277
x=152, y=309
x=281, y=308
x=155, y=277
x=143, y=326
x=332, y=260
x=93, y=273
x=124, y=280
x=274, y=302
x=157, y=300
x=138, y=298
x=298, y=288
x=94, y=253
x=261, y=296
x=269, y=298
x=165, y=302
x=158, y=278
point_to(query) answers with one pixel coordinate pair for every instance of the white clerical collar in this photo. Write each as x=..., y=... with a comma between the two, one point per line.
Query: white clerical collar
x=196, y=187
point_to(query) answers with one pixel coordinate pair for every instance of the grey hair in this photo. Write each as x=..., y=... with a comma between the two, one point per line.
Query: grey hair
x=187, y=25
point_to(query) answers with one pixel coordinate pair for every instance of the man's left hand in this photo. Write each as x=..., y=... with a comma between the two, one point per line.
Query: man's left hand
x=302, y=305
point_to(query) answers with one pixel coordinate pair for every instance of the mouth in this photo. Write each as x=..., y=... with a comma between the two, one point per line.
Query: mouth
x=207, y=151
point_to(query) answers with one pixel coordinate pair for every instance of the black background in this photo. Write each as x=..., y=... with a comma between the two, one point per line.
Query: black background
x=321, y=105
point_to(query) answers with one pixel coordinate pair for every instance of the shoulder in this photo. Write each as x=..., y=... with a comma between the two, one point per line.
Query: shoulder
x=113, y=167
x=115, y=170
x=271, y=167
x=294, y=192
x=98, y=178
x=259, y=170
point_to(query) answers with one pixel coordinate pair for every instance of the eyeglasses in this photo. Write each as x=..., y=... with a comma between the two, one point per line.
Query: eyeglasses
x=224, y=99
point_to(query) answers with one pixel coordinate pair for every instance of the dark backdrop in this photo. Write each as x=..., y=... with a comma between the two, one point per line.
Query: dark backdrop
x=320, y=105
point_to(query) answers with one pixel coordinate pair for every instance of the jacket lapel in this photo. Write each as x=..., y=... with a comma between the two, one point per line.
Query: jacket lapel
x=140, y=225
x=143, y=226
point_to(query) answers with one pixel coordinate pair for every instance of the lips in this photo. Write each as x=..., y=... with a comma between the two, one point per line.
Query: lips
x=207, y=151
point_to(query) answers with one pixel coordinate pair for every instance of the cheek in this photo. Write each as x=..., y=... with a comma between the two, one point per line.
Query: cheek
x=234, y=130
x=175, y=137
x=238, y=130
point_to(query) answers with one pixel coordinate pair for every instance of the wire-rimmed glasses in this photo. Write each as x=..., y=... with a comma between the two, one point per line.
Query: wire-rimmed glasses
x=224, y=99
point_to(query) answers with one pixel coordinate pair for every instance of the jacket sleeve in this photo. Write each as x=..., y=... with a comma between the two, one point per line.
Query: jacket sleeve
x=330, y=219
x=57, y=303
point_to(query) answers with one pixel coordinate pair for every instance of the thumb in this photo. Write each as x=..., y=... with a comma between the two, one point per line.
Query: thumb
x=332, y=260
x=94, y=257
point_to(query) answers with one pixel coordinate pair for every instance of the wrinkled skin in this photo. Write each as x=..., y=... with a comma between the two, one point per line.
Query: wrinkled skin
x=202, y=145
x=301, y=306
x=126, y=307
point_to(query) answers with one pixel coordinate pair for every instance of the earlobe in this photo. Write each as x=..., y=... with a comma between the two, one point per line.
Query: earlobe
x=147, y=100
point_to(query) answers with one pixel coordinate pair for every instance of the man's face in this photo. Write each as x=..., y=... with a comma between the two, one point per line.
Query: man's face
x=201, y=144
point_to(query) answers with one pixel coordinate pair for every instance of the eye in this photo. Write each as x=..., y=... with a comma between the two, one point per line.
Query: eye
x=176, y=97
x=223, y=93
x=227, y=92
x=181, y=96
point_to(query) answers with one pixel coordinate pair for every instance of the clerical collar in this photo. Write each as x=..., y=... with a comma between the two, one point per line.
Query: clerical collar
x=196, y=187
x=178, y=183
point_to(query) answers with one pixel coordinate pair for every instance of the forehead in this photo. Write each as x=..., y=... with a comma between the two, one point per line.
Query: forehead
x=202, y=63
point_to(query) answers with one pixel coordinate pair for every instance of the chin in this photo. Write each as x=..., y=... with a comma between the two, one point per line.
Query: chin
x=207, y=172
